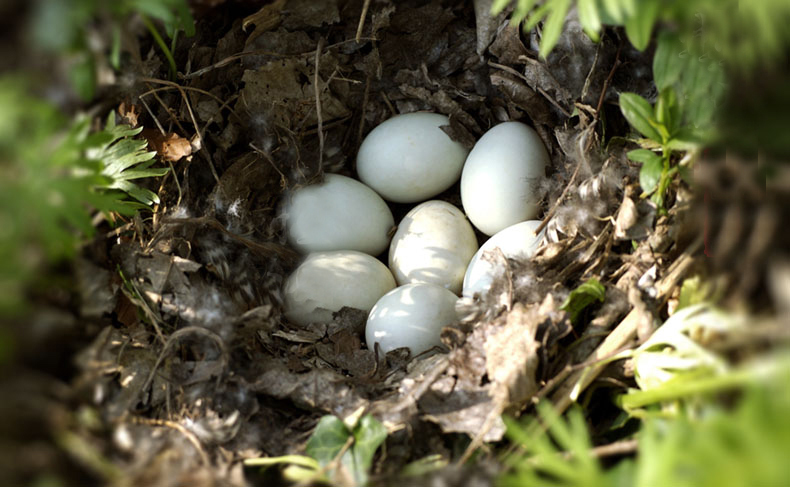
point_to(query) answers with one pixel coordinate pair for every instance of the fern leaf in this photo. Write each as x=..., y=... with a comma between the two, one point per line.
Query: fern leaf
x=123, y=158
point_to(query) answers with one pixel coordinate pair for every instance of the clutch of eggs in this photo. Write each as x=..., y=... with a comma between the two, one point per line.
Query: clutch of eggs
x=341, y=223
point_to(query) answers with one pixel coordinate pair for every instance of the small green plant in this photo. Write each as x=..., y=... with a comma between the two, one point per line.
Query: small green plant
x=681, y=120
x=122, y=159
x=338, y=451
x=541, y=461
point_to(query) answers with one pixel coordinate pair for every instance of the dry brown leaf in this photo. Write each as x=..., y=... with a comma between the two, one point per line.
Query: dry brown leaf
x=627, y=217
x=322, y=389
x=634, y=221
x=511, y=356
x=171, y=147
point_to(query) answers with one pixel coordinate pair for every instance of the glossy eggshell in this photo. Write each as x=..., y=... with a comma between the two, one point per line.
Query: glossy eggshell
x=410, y=316
x=339, y=213
x=327, y=281
x=434, y=243
x=501, y=177
x=517, y=241
x=408, y=158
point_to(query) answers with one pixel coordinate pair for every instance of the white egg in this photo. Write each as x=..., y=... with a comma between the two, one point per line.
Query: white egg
x=408, y=158
x=501, y=177
x=517, y=241
x=339, y=213
x=410, y=316
x=434, y=243
x=327, y=281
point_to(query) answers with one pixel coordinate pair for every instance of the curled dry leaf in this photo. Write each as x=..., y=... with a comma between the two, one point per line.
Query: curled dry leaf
x=171, y=147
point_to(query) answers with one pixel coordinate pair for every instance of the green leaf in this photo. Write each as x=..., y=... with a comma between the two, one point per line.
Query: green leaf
x=331, y=435
x=693, y=291
x=520, y=13
x=327, y=440
x=668, y=61
x=615, y=11
x=639, y=114
x=687, y=138
x=643, y=156
x=423, y=466
x=115, y=48
x=536, y=16
x=667, y=111
x=154, y=8
x=586, y=294
x=300, y=460
x=552, y=28
x=368, y=436
x=652, y=168
x=589, y=18
x=702, y=85
x=183, y=19
x=498, y=5
x=639, y=26
x=82, y=76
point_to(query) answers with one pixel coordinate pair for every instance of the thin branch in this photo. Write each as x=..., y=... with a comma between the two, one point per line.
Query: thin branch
x=318, y=113
x=223, y=104
x=606, y=84
x=362, y=17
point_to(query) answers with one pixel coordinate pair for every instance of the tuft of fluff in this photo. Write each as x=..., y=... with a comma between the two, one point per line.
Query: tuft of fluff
x=204, y=305
x=587, y=205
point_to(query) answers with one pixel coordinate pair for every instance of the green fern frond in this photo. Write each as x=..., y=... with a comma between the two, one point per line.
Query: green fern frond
x=123, y=159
